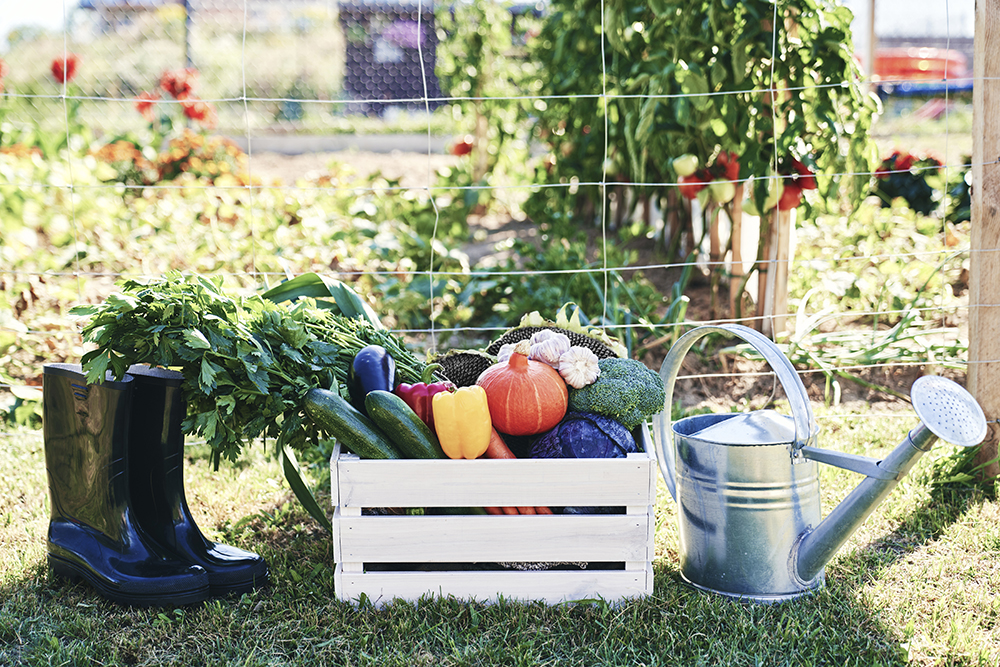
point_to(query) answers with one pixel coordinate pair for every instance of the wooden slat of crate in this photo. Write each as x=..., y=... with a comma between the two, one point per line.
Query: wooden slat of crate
x=476, y=539
x=550, y=586
x=491, y=483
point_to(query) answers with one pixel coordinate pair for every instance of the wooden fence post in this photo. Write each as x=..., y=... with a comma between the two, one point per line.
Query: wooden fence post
x=984, y=289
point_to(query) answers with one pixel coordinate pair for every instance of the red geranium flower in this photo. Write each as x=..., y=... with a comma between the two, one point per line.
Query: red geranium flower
x=64, y=68
x=144, y=104
x=199, y=111
x=179, y=83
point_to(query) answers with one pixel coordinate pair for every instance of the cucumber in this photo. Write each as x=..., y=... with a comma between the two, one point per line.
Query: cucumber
x=408, y=432
x=345, y=423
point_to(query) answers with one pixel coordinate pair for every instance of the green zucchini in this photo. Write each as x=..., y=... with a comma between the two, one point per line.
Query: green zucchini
x=396, y=419
x=344, y=422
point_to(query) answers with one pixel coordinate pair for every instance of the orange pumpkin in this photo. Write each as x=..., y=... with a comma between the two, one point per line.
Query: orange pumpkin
x=525, y=396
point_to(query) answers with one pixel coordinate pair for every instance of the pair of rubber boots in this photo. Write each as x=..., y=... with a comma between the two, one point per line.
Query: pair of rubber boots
x=114, y=452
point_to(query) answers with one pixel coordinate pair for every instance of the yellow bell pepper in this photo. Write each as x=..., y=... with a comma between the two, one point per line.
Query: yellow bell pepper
x=462, y=422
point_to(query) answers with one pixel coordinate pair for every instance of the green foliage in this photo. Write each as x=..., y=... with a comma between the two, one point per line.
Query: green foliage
x=542, y=277
x=626, y=390
x=880, y=260
x=960, y=194
x=247, y=362
x=482, y=63
x=25, y=409
x=916, y=180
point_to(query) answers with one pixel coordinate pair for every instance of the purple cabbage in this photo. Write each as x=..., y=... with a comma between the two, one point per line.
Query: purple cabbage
x=584, y=435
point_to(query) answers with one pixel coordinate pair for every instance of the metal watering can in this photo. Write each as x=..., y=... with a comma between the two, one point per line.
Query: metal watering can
x=747, y=487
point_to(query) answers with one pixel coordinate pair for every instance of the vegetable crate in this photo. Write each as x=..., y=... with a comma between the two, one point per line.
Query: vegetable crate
x=471, y=555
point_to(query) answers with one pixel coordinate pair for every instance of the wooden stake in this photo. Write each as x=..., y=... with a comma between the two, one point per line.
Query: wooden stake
x=765, y=269
x=772, y=285
x=713, y=215
x=782, y=257
x=984, y=287
x=736, y=262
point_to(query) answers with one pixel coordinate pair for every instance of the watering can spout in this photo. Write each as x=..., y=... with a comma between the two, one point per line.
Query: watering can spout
x=946, y=411
x=817, y=546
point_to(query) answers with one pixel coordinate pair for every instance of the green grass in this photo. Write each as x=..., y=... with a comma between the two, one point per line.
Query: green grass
x=916, y=585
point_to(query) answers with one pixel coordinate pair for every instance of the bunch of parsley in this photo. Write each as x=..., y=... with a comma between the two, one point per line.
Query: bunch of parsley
x=247, y=362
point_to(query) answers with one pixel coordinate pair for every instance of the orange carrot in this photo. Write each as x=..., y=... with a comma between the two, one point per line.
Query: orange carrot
x=497, y=449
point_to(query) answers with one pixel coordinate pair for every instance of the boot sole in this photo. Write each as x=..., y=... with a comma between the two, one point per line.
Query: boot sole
x=68, y=570
x=239, y=587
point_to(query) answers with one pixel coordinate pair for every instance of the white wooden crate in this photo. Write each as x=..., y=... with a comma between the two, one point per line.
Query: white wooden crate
x=405, y=556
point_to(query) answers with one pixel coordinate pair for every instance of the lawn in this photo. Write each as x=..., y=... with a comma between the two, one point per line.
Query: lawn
x=917, y=584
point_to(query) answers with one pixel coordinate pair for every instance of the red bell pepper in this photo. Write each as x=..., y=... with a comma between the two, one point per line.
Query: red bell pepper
x=418, y=396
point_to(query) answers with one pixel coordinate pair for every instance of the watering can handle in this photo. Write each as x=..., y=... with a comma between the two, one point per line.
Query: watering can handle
x=798, y=399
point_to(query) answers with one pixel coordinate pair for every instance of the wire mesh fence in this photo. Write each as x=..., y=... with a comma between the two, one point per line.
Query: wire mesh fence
x=318, y=68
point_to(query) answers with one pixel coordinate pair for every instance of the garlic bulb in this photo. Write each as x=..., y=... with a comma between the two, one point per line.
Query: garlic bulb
x=548, y=349
x=578, y=366
x=503, y=354
x=543, y=335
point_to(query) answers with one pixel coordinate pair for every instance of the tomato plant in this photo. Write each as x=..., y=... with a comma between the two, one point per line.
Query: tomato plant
x=768, y=82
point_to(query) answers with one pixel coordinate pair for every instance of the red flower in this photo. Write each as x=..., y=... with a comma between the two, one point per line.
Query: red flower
x=695, y=183
x=179, y=83
x=3, y=73
x=463, y=146
x=144, y=104
x=791, y=196
x=199, y=111
x=64, y=68
x=803, y=176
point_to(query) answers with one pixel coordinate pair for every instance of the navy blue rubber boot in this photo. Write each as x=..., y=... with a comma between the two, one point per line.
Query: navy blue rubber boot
x=156, y=468
x=93, y=534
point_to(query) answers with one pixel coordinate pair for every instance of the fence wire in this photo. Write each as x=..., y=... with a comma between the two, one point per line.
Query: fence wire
x=296, y=67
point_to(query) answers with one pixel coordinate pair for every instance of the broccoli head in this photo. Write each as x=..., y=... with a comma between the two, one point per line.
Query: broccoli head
x=626, y=390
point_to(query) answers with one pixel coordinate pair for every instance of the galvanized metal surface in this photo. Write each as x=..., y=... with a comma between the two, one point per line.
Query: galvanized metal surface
x=948, y=410
x=742, y=509
x=805, y=429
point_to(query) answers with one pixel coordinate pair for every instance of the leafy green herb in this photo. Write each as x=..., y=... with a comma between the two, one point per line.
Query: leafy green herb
x=247, y=361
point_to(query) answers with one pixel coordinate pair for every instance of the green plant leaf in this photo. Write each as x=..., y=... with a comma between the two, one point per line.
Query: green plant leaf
x=315, y=286
x=293, y=474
